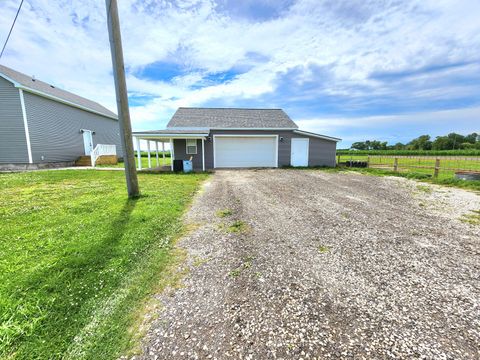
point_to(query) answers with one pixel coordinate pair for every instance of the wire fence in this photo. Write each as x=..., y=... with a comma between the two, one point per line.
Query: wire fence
x=436, y=166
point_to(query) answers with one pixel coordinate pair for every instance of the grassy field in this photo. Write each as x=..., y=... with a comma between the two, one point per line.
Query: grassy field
x=144, y=163
x=418, y=164
x=459, y=152
x=78, y=260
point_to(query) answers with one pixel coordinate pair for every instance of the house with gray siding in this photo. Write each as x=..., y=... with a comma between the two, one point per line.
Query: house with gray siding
x=41, y=125
x=214, y=138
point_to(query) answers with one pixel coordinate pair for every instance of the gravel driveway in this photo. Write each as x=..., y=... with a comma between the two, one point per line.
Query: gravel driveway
x=287, y=264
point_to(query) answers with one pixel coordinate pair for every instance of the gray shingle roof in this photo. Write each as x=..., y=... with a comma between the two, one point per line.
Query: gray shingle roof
x=222, y=118
x=50, y=90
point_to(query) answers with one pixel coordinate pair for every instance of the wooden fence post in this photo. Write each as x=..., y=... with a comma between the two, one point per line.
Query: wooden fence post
x=368, y=161
x=437, y=168
x=338, y=160
x=395, y=164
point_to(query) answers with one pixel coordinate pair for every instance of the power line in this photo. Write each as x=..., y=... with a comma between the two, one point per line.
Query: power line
x=11, y=28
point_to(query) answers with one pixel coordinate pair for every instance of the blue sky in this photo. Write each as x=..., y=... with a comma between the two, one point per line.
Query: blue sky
x=388, y=70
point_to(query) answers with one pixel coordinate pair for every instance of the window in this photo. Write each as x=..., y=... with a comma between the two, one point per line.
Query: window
x=191, y=146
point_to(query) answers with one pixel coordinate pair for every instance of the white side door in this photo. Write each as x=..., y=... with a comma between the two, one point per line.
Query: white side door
x=88, y=141
x=299, y=152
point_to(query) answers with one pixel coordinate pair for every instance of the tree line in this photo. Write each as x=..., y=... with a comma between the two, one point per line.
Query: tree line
x=452, y=141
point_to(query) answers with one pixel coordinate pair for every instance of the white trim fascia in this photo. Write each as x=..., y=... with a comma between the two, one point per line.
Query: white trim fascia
x=191, y=128
x=306, y=133
x=244, y=135
x=16, y=84
x=203, y=154
x=205, y=134
x=265, y=129
x=168, y=136
x=214, y=153
x=66, y=102
x=25, y=124
x=308, y=149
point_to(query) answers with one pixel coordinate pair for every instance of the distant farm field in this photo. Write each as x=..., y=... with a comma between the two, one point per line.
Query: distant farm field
x=459, y=152
x=448, y=165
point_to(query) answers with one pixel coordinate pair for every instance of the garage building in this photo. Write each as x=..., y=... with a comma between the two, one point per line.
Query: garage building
x=216, y=138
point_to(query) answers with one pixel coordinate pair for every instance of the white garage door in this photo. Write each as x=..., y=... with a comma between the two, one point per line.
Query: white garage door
x=244, y=151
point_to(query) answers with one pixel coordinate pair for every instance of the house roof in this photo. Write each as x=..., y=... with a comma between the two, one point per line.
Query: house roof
x=41, y=88
x=230, y=118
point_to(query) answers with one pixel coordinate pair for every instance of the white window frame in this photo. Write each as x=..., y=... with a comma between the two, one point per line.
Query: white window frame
x=186, y=147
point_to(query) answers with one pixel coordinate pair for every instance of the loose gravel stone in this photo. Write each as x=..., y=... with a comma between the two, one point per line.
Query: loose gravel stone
x=328, y=266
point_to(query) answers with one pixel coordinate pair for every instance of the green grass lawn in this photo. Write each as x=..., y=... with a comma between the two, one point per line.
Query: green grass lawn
x=78, y=260
x=420, y=165
x=144, y=162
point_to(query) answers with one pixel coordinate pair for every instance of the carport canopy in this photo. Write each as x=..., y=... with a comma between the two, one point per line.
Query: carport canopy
x=167, y=136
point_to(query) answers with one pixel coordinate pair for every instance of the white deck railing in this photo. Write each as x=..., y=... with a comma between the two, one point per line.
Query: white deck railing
x=102, y=149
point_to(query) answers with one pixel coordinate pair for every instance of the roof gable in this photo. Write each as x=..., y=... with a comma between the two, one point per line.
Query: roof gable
x=42, y=88
x=231, y=118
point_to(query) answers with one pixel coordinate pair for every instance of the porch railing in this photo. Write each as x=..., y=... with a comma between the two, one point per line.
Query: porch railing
x=102, y=149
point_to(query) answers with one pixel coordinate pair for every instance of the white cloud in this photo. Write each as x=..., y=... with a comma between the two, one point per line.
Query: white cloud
x=66, y=43
x=395, y=128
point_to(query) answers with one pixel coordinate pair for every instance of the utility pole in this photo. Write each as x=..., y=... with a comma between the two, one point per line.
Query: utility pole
x=122, y=97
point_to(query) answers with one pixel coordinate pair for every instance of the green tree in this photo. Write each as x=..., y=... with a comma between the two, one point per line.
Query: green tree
x=359, y=145
x=443, y=143
x=421, y=143
x=447, y=142
x=457, y=140
x=472, y=138
x=450, y=142
x=377, y=145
